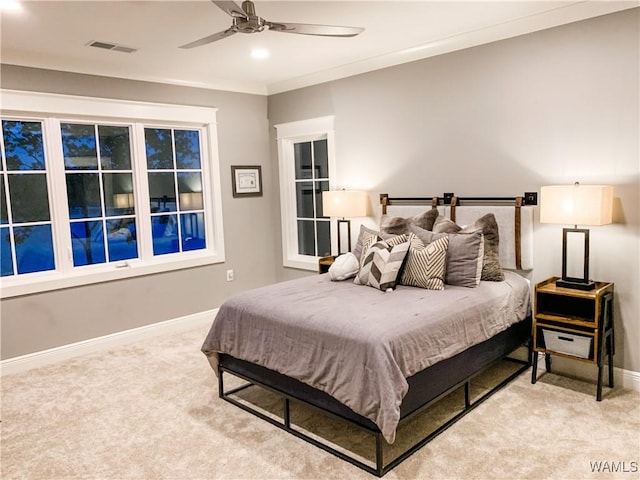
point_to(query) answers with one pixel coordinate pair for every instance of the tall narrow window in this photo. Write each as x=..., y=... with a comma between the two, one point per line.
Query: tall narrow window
x=312, y=178
x=100, y=193
x=306, y=160
x=175, y=189
x=26, y=242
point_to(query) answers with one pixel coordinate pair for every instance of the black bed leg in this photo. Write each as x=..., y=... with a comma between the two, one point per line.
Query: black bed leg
x=534, y=367
x=379, y=455
x=287, y=413
x=220, y=383
x=467, y=394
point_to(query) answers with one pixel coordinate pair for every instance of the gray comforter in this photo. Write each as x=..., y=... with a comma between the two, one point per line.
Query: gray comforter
x=357, y=343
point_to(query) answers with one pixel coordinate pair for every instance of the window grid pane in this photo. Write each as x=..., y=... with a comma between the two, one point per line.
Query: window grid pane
x=22, y=146
x=26, y=237
x=103, y=193
x=175, y=186
x=121, y=239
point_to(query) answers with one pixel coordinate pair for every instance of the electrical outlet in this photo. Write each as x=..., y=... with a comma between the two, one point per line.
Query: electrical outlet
x=230, y=276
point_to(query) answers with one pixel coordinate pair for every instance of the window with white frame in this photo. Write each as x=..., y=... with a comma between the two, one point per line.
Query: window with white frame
x=99, y=185
x=98, y=189
x=26, y=237
x=306, y=161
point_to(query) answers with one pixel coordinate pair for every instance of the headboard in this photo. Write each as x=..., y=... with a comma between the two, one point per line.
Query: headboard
x=514, y=216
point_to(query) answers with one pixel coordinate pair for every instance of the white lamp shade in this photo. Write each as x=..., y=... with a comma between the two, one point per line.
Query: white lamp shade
x=123, y=200
x=344, y=203
x=576, y=204
x=191, y=201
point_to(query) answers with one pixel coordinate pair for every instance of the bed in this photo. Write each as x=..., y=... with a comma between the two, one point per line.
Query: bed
x=377, y=357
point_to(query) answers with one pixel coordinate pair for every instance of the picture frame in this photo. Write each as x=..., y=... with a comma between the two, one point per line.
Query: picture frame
x=246, y=180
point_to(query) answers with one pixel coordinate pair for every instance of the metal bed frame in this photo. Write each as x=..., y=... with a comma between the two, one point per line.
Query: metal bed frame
x=425, y=388
x=255, y=375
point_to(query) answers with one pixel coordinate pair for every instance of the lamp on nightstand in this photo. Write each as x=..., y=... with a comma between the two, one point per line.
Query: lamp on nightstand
x=123, y=200
x=344, y=203
x=575, y=205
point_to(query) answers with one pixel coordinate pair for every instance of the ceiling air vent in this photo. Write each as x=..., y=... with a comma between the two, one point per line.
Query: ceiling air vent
x=112, y=46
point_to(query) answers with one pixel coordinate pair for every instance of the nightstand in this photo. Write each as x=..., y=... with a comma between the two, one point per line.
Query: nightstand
x=574, y=324
x=324, y=263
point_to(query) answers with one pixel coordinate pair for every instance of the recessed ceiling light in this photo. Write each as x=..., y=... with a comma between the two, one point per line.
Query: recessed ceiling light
x=10, y=6
x=259, y=53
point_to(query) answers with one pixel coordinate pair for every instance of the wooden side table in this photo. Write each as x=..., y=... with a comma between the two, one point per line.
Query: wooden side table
x=575, y=324
x=324, y=263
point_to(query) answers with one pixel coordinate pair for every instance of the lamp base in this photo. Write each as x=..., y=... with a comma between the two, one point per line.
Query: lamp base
x=589, y=285
x=348, y=223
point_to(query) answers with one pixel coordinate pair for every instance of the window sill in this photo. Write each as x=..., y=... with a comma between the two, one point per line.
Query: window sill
x=302, y=263
x=46, y=282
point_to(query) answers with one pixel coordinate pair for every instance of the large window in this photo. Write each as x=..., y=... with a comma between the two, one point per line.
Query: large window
x=306, y=160
x=91, y=192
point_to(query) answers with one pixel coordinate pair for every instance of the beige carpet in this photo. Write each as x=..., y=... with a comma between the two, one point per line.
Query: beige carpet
x=151, y=412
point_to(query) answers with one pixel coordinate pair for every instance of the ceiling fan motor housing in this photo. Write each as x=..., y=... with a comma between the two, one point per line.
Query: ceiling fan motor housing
x=251, y=24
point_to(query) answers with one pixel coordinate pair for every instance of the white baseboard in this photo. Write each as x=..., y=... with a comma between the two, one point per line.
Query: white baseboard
x=65, y=352
x=627, y=379
x=630, y=379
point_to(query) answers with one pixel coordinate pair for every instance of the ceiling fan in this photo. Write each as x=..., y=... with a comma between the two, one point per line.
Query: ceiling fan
x=245, y=20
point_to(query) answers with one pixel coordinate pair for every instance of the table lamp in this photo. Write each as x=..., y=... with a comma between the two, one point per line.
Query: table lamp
x=191, y=201
x=123, y=200
x=576, y=204
x=344, y=203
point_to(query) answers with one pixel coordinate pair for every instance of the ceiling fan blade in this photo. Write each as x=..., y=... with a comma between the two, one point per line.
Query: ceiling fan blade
x=322, y=30
x=210, y=39
x=232, y=8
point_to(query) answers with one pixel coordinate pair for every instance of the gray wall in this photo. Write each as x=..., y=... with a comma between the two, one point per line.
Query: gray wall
x=551, y=107
x=36, y=322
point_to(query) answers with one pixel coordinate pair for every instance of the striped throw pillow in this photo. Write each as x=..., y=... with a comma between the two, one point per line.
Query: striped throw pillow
x=380, y=264
x=426, y=264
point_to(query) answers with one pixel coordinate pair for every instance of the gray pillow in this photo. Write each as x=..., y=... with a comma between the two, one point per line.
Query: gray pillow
x=487, y=225
x=366, y=234
x=464, y=256
x=400, y=225
x=381, y=263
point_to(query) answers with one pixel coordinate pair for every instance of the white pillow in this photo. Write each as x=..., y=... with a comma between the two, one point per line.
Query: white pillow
x=343, y=267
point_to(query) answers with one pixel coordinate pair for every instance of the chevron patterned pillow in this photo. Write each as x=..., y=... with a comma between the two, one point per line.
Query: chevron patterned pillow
x=381, y=263
x=425, y=264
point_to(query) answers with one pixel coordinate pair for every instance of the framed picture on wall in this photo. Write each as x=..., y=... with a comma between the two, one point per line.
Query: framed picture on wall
x=247, y=181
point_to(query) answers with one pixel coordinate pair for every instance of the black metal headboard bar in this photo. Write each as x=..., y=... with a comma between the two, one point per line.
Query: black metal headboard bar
x=385, y=201
x=529, y=198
